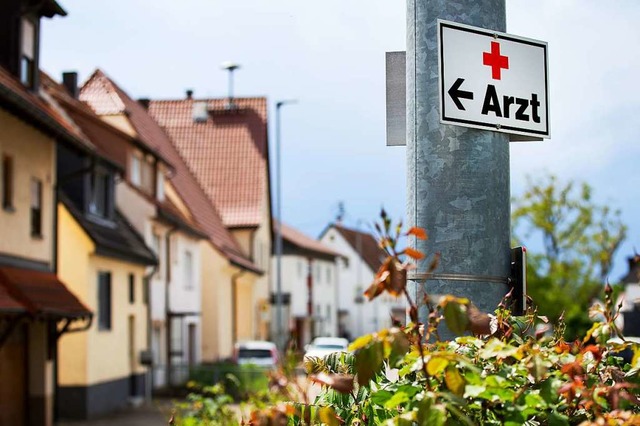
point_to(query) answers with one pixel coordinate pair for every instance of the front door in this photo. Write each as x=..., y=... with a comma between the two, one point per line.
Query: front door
x=13, y=371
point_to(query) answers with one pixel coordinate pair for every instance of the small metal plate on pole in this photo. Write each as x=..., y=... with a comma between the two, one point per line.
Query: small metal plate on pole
x=396, y=98
x=493, y=81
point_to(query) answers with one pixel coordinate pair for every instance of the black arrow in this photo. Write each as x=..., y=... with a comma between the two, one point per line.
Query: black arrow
x=456, y=93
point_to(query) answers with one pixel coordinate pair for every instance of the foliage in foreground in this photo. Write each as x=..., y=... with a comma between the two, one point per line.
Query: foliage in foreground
x=502, y=369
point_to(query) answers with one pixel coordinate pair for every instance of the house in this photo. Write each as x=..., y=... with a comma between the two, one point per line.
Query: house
x=36, y=307
x=225, y=148
x=158, y=214
x=193, y=300
x=310, y=287
x=103, y=260
x=630, y=298
x=358, y=316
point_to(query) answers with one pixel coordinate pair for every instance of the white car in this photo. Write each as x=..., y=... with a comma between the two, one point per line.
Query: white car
x=323, y=346
x=256, y=352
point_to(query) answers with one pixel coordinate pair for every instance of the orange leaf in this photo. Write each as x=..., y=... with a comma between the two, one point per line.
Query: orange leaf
x=342, y=383
x=416, y=254
x=419, y=233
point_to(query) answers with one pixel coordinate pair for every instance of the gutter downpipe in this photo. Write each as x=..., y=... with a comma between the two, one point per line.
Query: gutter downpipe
x=234, y=304
x=167, y=310
x=146, y=282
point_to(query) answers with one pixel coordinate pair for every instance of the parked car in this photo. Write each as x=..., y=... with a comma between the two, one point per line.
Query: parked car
x=256, y=352
x=323, y=346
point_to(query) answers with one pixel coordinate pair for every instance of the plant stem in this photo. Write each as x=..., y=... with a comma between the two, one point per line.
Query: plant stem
x=416, y=331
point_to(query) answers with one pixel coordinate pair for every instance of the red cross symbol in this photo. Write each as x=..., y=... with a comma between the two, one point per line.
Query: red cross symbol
x=495, y=60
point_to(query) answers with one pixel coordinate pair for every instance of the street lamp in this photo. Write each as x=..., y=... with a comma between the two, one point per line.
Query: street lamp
x=279, y=325
x=231, y=67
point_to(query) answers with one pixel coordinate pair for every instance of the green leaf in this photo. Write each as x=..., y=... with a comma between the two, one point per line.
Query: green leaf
x=534, y=400
x=396, y=400
x=435, y=415
x=549, y=390
x=556, y=419
x=455, y=315
x=368, y=362
x=380, y=397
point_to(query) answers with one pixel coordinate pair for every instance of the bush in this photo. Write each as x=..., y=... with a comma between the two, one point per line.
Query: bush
x=501, y=370
x=239, y=381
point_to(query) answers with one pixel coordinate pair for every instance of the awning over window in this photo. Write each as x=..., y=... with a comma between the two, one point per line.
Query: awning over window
x=40, y=294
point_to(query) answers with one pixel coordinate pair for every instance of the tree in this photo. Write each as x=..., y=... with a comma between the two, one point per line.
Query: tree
x=579, y=241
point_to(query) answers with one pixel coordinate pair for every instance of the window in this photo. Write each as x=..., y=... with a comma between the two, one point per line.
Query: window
x=104, y=300
x=36, y=207
x=156, y=245
x=101, y=194
x=135, y=170
x=300, y=268
x=28, y=52
x=329, y=274
x=188, y=270
x=147, y=176
x=132, y=288
x=160, y=185
x=7, y=182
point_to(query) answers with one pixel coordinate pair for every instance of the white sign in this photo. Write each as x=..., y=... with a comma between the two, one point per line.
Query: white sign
x=493, y=81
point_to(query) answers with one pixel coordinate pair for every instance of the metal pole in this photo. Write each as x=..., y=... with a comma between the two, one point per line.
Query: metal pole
x=458, y=178
x=280, y=332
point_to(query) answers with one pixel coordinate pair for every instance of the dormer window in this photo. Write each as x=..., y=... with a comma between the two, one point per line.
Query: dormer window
x=159, y=185
x=101, y=203
x=141, y=173
x=28, y=52
x=134, y=173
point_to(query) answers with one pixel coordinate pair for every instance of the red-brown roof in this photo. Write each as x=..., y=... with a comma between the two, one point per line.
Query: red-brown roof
x=8, y=304
x=36, y=109
x=107, y=98
x=297, y=238
x=364, y=244
x=40, y=293
x=227, y=153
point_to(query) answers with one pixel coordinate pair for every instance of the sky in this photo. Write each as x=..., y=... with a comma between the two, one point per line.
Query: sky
x=329, y=56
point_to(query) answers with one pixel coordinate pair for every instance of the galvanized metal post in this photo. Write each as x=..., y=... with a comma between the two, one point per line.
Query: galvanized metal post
x=458, y=178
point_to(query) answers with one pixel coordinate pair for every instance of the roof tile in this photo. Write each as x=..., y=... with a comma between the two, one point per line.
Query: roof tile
x=364, y=244
x=227, y=153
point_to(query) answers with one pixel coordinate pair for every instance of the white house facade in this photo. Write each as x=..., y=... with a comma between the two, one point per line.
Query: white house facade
x=310, y=287
x=362, y=258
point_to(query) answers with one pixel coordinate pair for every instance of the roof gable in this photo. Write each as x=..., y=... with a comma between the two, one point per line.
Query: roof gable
x=99, y=92
x=364, y=244
x=306, y=244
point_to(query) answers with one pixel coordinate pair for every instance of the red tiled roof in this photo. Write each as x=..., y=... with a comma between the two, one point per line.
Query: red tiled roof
x=36, y=109
x=227, y=153
x=201, y=207
x=105, y=97
x=304, y=242
x=364, y=244
x=41, y=293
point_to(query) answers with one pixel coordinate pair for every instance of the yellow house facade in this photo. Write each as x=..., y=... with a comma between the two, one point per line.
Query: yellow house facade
x=100, y=370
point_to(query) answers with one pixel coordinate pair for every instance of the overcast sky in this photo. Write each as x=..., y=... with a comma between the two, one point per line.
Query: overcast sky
x=330, y=56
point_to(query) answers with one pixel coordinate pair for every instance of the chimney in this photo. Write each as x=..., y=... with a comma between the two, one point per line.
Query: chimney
x=144, y=102
x=70, y=82
x=189, y=94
